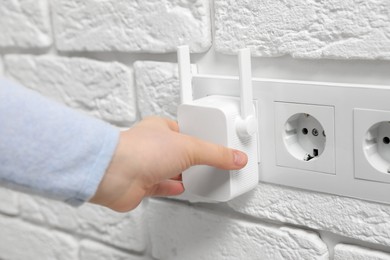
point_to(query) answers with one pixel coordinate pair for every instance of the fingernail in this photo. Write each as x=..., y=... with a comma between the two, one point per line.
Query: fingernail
x=239, y=158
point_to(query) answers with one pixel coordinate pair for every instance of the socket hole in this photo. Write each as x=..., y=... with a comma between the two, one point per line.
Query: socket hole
x=386, y=140
x=299, y=143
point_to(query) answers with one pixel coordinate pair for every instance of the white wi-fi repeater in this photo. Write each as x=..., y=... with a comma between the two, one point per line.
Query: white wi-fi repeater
x=225, y=120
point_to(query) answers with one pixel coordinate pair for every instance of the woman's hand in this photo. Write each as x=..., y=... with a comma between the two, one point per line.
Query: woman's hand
x=149, y=160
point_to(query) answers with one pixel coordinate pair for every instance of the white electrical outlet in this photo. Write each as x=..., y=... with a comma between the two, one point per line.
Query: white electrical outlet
x=372, y=145
x=304, y=136
x=347, y=154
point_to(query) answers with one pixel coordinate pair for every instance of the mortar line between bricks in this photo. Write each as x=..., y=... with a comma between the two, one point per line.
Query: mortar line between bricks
x=79, y=237
x=9, y=215
x=127, y=58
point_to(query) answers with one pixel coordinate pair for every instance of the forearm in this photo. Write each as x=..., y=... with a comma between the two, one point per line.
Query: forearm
x=49, y=149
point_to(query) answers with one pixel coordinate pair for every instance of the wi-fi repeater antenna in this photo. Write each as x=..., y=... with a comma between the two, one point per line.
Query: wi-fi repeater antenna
x=246, y=126
x=185, y=75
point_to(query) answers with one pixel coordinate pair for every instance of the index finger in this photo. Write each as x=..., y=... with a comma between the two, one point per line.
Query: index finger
x=215, y=155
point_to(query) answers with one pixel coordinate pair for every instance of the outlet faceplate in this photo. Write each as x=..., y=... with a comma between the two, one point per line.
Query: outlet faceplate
x=304, y=137
x=372, y=145
x=342, y=168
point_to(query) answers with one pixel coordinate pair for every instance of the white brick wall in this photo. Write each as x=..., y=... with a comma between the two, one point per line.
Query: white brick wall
x=157, y=88
x=136, y=26
x=25, y=24
x=20, y=240
x=90, y=250
x=203, y=235
x=350, y=252
x=117, y=229
x=95, y=66
x=305, y=29
x=9, y=202
x=348, y=217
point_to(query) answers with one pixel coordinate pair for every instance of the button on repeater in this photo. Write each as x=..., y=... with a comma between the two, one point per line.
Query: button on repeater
x=225, y=120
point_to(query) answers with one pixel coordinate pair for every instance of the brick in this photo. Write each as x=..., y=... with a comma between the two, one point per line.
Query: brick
x=305, y=29
x=351, y=252
x=340, y=215
x=132, y=26
x=157, y=86
x=9, y=202
x=103, y=89
x=25, y=24
x=89, y=221
x=179, y=231
x=20, y=241
x=90, y=250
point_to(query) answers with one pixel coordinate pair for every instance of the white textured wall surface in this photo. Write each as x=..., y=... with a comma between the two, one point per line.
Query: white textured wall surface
x=25, y=24
x=350, y=252
x=158, y=90
x=202, y=235
x=305, y=29
x=9, y=202
x=100, y=224
x=137, y=26
x=348, y=217
x=34, y=242
x=94, y=65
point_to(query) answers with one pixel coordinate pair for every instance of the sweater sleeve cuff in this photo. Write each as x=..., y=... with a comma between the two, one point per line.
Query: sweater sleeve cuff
x=96, y=173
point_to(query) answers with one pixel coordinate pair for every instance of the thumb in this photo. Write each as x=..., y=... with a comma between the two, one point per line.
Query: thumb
x=205, y=153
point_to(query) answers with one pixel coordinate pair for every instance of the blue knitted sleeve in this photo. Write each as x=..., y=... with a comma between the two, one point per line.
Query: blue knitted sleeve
x=49, y=149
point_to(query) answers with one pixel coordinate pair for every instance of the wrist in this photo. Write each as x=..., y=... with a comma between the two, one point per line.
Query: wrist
x=119, y=180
